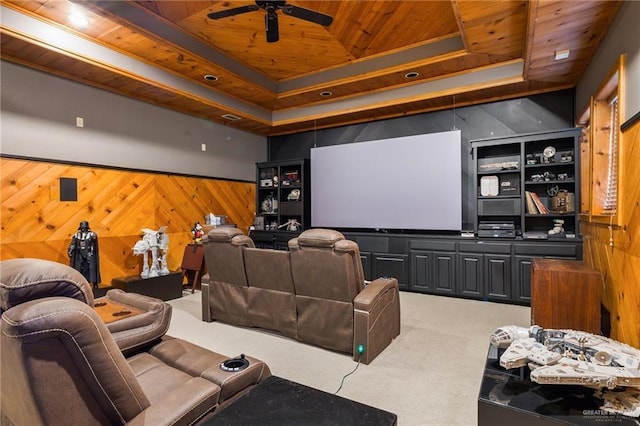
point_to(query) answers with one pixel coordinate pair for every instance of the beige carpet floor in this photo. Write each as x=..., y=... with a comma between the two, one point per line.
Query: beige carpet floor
x=429, y=375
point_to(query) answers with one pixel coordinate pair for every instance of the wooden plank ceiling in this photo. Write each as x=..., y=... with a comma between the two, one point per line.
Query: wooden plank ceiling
x=354, y=70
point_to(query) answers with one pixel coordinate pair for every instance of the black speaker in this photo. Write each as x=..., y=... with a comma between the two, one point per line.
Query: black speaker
x=68, y=189
x=508, y=206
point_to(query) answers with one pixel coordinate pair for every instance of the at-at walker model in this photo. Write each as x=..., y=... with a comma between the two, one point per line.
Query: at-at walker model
x=156, y=242
x=573, y=357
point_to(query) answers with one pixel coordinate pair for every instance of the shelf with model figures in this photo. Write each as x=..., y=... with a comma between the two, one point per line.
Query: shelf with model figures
x=282, y=196
x=550, y=185
x=529, y=182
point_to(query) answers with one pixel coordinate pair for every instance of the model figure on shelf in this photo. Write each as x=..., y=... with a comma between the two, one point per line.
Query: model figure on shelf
x=558, y=229
x=156, y=243
x=571, y=357
x=291, y=225
x=84, y=255
x=197, y=232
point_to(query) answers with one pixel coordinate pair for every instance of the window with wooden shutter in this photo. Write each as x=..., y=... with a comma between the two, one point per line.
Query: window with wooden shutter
x=600, y=150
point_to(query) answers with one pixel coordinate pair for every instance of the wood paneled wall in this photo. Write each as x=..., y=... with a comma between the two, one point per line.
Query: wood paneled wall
x=619, y=260
x=116, y=203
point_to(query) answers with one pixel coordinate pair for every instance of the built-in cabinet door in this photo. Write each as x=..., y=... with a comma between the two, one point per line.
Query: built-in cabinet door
x=392, y=265
x=444, y=272
x=433, y=272
x=470, y=276
x=498, y=276
x=522, y=279
x=421, y=271
x=366, y=265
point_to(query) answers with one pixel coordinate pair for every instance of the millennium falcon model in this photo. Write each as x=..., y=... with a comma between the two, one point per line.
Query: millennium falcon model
x=570, y=357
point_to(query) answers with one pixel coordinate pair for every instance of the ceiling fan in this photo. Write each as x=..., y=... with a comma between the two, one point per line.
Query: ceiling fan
x=271, y=18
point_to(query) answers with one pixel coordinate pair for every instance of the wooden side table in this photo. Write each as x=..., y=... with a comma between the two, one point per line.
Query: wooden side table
x=565, y=294
x=193, y=266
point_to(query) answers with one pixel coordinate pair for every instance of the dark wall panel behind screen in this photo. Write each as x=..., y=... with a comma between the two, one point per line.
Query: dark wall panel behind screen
x=548, y=111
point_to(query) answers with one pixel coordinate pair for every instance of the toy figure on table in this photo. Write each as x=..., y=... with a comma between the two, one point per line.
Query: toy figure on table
x=83, y=253
x=197, y=232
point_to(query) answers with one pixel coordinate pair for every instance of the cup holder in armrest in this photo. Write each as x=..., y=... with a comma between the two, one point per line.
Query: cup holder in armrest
x=234, y=364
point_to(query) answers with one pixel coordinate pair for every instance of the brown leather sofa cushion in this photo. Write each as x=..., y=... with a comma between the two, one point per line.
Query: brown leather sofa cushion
x=27, y=279
x=223, y=252
x=270, y=296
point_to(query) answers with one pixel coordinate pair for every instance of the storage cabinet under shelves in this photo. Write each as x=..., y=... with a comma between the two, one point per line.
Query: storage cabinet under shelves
x=283, y=196
x=528, y=182
x=473, y=268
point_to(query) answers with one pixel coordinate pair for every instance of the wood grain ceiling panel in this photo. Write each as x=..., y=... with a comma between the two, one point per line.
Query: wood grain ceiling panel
x=178, y=39
x=577, y=26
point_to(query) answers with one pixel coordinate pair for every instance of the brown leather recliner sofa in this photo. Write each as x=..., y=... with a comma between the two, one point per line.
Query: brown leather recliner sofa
x=315, y=292
x=62, y=364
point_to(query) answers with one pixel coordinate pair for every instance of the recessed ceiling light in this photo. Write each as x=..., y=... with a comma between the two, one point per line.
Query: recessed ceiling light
x=562, y=54
x=78, y=19
x=210, y=77
x=326, y=93
x=412, y=74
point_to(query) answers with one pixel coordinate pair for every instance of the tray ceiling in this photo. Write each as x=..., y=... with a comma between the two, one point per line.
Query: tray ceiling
x=378, y=59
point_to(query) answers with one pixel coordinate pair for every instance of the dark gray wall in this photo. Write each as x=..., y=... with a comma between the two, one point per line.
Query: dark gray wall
x=622, y=37
x=39, y=121
x=551, y=111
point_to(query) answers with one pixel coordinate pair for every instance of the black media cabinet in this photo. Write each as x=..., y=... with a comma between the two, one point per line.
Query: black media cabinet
x=493, y=269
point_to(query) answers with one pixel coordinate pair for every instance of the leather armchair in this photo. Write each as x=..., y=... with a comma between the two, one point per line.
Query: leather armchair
x=60, y=362
x=335, y=308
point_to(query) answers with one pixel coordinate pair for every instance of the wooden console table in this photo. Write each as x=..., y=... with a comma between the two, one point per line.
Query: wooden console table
x=565, y=294
x=193, y=266
x=110, y=311
x=164, y=287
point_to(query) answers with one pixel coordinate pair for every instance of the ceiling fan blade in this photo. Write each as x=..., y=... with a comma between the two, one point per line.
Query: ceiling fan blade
x=307, y=15
x=271, y=26
x=232, y=12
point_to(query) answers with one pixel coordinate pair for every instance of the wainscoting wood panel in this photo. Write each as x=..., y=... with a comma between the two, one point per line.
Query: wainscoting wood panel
x=620, y=263
x=118, y=204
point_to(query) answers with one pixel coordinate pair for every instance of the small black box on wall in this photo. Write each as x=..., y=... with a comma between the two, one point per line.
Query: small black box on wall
x=68, y=189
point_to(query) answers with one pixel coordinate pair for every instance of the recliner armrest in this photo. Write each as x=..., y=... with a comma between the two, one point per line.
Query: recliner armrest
x=183, y=405
x=376, y=318
x=367, y=297
x=138, y=331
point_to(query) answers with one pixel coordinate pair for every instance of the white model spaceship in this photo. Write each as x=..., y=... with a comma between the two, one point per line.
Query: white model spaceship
x=570, y=357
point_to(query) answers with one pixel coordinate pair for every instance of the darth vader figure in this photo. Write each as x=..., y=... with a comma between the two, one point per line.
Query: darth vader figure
x=83, y=253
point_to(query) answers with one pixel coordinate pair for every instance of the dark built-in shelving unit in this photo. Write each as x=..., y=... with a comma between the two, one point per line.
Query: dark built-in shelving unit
x=283, y=197
x=544, y=165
